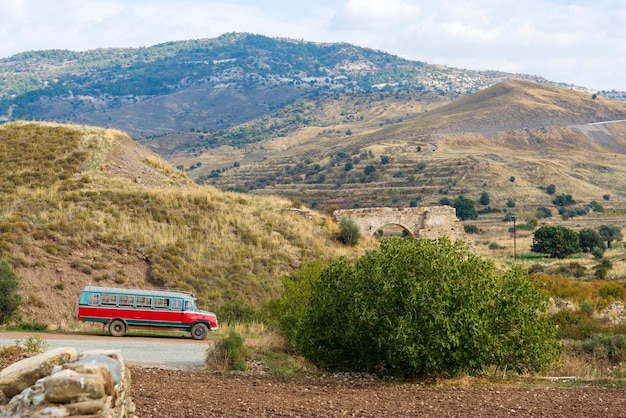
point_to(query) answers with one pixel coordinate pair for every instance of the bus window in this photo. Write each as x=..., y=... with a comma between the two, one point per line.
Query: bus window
x=188, y=305
x=94, y=299
x=144, y=302
x=176, y=304
x=109, y=300
x=126, y=300
x=161, y=303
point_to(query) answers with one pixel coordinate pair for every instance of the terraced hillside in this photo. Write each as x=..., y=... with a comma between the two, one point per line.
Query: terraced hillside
x=510, y=140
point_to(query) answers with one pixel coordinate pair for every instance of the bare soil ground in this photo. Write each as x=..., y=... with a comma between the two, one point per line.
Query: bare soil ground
x=176, y=393
x=173, y=393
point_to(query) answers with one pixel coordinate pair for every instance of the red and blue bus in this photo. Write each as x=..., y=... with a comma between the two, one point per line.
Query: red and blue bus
x=120, y=309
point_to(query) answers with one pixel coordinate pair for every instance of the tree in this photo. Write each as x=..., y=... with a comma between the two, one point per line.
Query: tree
x=465, y=208
x=557, y=241
x=10, y=300
x=417, y=308
x=610, y=233
x=484, y=199
x=348, y=231
x=543, y=212
x=590, y=239
x=563, y=200
x=551, y=189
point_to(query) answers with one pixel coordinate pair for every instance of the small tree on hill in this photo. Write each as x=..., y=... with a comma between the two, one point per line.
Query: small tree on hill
x=590, y=239
x=10, y=300
x=610, y=233
x=465, y=208
x=484, y=199
x=557, y=241
x=551, y=189
x=348, y=231
x=564, y=200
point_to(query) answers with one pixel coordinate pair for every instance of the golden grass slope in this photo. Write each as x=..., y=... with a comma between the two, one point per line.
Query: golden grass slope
x=535, y=134
x=84, y=205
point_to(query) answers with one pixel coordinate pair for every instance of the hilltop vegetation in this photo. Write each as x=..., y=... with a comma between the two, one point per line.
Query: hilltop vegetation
x=208, y=83
x=85, y=205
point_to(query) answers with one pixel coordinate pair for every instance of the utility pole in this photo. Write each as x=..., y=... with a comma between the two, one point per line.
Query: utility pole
x=514, y=237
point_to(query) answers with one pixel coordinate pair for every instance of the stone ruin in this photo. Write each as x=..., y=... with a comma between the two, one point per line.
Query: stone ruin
x=615, y=312
x=62, y=382
x=421, y=222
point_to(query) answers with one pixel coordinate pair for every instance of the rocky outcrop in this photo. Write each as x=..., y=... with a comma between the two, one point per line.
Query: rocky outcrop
x=63, y=383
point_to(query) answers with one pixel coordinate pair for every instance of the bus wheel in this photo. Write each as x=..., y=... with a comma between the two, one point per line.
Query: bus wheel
x=199, y=331
x=117, y=328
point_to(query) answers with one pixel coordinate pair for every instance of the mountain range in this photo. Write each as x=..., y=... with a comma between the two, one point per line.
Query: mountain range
x=331, y=125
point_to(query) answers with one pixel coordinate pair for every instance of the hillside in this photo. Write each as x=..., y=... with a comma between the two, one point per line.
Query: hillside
x=209, y=84
x=510, y=140
x=82, y=205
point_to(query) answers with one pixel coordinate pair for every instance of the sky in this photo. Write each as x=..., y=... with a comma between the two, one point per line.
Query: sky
x=580, y=42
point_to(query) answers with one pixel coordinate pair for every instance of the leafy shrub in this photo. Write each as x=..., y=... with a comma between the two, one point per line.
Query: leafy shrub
x=489, y=210
x=238, y=311
x=564, y=200
x=611, y=348
x=229, y=353
x=543, y=212
x=349, y=232
x=31, y=326
x=471, y=229
x=33, y=344
x=612, y=291
x=573, y=269
x=576, y=325
x=10, y=300
x=417, y=308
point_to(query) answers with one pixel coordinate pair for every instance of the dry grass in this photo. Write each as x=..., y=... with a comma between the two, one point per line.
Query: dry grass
x=225, y=246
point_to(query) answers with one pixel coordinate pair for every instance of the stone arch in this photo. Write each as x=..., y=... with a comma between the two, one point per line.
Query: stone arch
x=422, y=222
x=404, y=228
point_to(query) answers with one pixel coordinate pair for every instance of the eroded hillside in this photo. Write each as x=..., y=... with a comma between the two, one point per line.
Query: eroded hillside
x=83, y=205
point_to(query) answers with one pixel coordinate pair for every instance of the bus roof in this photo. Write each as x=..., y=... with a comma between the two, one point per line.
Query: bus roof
x=140, y=292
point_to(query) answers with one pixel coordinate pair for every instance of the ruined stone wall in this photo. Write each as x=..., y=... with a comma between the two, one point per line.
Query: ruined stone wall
x=423, y=222
x=62, y=383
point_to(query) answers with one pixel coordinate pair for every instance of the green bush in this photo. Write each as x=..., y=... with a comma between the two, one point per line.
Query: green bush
x=610, y=348
x=10, y=300
x=576, y=325
x=348, y=231
x=417, y=308
x=238, y=311
x=229, y=353
x=471, y=229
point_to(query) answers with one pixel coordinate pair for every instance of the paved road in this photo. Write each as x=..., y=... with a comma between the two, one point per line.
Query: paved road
x=167, y=352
